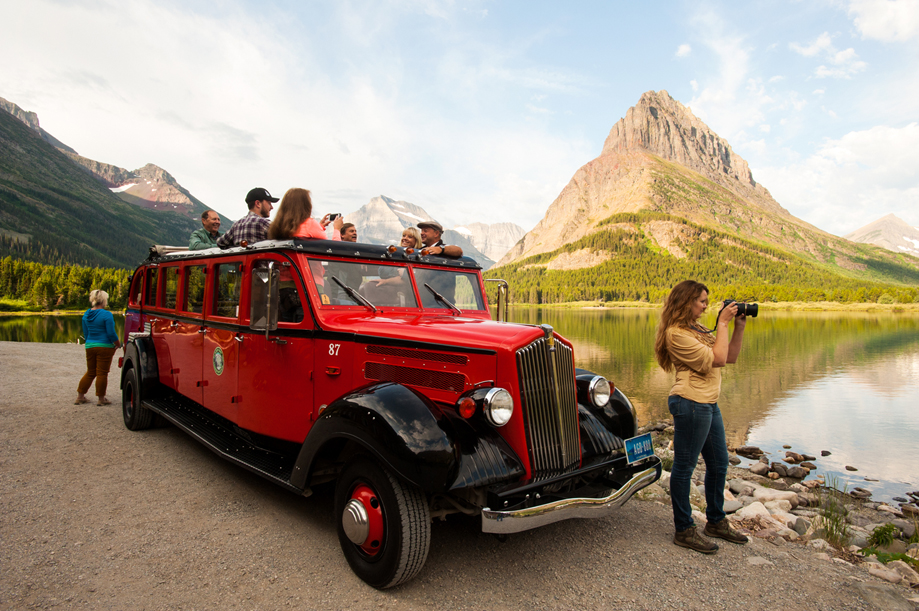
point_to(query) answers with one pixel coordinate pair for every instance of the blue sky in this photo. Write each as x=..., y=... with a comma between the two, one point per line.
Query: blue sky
x=477, y=111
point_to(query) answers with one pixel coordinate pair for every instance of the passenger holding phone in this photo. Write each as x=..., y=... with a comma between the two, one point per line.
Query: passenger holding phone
x=293, y=219
x=348, y=232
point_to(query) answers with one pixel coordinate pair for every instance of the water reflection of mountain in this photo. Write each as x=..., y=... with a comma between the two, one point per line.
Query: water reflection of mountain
x=783, y=351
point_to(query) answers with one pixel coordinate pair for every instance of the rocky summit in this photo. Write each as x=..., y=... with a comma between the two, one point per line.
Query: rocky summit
x=661, y=158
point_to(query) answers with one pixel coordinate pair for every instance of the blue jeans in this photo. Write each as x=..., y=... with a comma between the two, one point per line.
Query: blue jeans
x=698, y=427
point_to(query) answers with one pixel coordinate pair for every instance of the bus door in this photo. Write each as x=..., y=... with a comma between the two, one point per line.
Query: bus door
x=275, y=382
x=222, y=339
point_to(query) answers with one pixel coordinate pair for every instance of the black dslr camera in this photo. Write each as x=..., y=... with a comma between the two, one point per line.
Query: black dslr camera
x=743, y=309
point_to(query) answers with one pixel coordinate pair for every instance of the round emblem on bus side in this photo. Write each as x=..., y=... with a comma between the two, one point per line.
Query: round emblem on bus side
x=218, y=360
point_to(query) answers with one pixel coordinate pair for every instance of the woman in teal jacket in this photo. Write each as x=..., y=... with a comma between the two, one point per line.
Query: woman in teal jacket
x=101, y=343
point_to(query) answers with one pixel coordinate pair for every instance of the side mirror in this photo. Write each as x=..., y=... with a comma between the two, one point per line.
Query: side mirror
x=263, y=306
x=502, y=297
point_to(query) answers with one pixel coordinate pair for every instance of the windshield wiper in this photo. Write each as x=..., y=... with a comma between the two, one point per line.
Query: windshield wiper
x=355, y=295
x=443, y=300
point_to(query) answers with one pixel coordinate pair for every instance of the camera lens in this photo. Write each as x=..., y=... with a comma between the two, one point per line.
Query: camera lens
x=748, y=309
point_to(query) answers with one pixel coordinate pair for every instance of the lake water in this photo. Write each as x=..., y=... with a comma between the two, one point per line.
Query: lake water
x=48, y=329
x=843, y=382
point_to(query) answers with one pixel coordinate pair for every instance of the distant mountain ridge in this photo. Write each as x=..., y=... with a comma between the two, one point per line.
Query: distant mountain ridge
x=495, y=240
x=53, y=211
x=890, y=232
x=31, y=119
x=660, y=158
x=382, y=220
x=148, y=187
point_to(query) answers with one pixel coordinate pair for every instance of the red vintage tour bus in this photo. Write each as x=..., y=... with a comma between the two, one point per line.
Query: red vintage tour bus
x=379, y=370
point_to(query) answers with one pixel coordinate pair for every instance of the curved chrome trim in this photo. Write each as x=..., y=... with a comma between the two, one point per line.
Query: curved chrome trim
x=487, y=401
x=507, y=522
x=593, y=386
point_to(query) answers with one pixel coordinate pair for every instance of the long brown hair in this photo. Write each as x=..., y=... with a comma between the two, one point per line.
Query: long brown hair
x=296, y=206
x=677, y=312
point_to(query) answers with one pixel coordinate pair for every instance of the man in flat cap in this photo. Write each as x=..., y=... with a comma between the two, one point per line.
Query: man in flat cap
x=254, y=226
x=430, y=237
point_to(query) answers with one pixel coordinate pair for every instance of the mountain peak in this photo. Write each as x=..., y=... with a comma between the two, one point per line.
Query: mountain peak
x=890, y=232
x=660, y=157
x=660, y=125
x=31, y=119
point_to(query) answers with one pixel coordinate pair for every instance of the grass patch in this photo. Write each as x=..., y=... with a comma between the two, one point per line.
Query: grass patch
x=17, y=305
x=833, y=512
x=884, y=557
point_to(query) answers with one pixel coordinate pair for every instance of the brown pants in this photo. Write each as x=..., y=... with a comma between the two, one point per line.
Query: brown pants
x=98, y=362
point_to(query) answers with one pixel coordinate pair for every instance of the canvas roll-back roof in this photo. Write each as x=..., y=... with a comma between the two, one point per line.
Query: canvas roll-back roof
x=352, y=250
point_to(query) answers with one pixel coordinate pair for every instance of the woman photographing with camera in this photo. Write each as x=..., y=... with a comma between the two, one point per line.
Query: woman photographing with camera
x=697, y=355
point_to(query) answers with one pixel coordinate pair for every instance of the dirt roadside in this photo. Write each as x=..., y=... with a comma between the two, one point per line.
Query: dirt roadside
x=95, y=516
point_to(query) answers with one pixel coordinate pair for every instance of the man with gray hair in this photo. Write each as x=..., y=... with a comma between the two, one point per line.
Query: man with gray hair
x=206, y=237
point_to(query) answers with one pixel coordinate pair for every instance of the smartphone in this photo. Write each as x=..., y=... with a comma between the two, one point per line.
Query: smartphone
x=334, y=216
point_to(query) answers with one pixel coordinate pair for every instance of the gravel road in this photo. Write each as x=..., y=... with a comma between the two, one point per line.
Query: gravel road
x=95, y=516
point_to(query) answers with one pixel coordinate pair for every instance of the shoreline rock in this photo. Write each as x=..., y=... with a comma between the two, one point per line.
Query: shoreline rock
x=773, y=501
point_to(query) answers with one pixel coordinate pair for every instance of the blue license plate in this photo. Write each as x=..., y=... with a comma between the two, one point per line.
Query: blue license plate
x=638, y=448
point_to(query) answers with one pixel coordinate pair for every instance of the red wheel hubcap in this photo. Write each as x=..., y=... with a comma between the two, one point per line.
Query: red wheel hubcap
x=365, y=495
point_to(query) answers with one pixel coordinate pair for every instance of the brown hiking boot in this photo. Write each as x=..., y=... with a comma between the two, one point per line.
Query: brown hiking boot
x=724, y=530
x=693, y=540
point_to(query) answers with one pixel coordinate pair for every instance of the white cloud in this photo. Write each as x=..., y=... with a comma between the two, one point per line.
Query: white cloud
x=851, y=181
x=224, y=111
x=683, y=50
x=823, y=43
x=844, y=63
x=886, y=20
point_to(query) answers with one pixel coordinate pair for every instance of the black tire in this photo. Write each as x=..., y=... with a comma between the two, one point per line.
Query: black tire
x=399, y=553
x=136, y=416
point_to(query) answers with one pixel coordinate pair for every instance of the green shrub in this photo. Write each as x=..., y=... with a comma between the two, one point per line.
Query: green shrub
x=887, y=298
x=882, y=536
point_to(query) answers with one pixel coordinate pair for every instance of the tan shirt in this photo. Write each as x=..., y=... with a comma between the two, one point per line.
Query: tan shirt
x=696, y=379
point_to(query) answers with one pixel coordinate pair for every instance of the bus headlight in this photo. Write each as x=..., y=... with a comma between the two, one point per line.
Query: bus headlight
x=498, y=406
x=600, y=391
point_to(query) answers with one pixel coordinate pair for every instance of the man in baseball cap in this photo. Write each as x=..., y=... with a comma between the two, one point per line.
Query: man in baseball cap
x=254, y=226
x=430, y=237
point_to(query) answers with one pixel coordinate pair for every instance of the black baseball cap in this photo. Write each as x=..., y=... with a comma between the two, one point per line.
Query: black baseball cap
x=258, y=194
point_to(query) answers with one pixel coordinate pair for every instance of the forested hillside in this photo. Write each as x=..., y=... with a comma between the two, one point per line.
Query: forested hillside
x=624, y=262
x=31, y=285
x=52, y=211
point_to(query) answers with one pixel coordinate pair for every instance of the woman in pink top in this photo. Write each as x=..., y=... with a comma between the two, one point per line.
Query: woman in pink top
x=293, y=219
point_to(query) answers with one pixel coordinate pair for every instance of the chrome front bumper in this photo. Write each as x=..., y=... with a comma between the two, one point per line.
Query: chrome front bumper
x=519, y=520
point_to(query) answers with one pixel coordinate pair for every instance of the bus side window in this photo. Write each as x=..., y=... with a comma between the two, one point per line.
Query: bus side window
x=194, y=288
x=171, y=288
x=136, y=292
x=153, y=276
x=227, y=286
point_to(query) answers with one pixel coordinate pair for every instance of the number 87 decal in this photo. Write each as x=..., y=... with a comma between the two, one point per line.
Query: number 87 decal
x=333, y=349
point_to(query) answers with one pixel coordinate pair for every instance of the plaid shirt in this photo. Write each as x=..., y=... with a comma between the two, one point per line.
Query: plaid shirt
x=252, y=228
